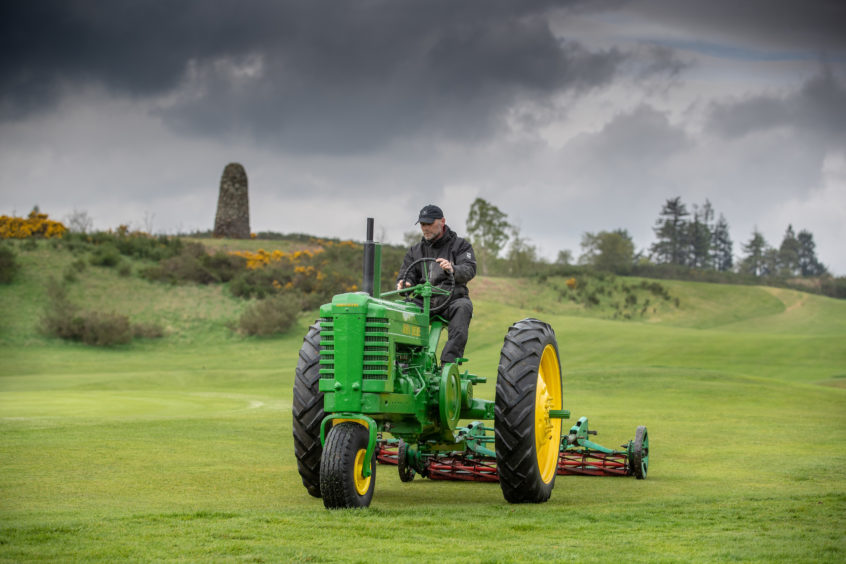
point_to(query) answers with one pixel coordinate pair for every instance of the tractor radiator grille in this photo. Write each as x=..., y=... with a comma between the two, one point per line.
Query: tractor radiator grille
x=327, y=348
x=376, y=349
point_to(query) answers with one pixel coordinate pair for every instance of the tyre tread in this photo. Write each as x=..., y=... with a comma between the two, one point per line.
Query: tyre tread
x=514, y=411
x=307, y=409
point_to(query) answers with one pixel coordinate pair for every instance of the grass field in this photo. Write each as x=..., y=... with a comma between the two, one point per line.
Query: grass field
x=181, y=449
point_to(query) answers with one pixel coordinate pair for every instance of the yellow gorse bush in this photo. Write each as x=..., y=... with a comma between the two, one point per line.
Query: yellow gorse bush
x=262, y=258
x=317, y=272
x=35, y=225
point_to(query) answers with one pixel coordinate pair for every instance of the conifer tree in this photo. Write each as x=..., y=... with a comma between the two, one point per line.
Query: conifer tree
x=672, y=233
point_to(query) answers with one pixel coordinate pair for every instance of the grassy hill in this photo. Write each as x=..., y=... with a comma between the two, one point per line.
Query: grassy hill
x=180, y=448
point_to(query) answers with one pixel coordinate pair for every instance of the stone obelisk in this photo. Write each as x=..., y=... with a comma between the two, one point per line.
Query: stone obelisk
x=233, y=205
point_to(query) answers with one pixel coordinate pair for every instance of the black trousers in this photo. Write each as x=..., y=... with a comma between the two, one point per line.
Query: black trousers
x=458, y=312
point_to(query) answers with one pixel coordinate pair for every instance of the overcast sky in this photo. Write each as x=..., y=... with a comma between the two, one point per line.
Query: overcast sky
x=570, y=116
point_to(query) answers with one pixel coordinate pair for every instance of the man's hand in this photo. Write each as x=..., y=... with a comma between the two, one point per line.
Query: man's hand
x=445, y=264
x=403, y=284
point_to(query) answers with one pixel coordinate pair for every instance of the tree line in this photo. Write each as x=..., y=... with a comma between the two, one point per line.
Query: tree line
x=690, y=243
x=695, y=240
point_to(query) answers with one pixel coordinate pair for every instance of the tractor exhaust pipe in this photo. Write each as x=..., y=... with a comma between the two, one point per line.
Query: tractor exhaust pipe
x=372, y=263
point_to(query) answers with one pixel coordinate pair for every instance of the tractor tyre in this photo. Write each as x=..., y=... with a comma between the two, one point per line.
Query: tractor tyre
x=308, y=411
x=406, y=472
x=640, y=453
x=528, y=386
x=342, y=482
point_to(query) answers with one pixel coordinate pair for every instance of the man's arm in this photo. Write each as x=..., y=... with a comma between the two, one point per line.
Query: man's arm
x=465, y=263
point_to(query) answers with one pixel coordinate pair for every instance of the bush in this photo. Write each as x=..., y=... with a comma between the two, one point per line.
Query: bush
x=274, y=315
x=64, y=319
x=147, y=331
x=131, y=244
x=8, y=265
x=104, y=329
x=106, y=255
x=194, y=264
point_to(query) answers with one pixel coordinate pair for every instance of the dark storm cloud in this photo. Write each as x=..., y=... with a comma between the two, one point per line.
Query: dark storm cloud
x=817, y=108
x=327, y=76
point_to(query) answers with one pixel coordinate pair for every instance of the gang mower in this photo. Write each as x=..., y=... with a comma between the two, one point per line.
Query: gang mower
x=369, y=388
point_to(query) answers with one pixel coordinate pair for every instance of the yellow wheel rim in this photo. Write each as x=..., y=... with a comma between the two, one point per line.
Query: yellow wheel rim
x=547, y=430
x=362, y=484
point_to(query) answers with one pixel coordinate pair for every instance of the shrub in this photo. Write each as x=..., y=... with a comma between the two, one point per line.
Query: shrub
x=224, y=265
x=106, y=255
x=64, y=319
x=35, y=225
x=8, y=264
x=147, y=331
x=59, y=312
x=135, y=244
x=71, y=272
x=270, y=316
x=105, y=329
x=193, y=264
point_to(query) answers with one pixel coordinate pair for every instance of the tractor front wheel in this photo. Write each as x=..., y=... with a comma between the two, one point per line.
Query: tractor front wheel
x=528, y=386
x=342, y=481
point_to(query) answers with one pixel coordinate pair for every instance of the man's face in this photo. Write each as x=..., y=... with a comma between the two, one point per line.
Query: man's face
x=431, y=231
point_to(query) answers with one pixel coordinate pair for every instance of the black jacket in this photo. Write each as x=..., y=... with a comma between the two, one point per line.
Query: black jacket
x=449, y=246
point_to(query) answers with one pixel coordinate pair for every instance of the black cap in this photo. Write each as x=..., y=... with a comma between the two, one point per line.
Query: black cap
x=429, y=214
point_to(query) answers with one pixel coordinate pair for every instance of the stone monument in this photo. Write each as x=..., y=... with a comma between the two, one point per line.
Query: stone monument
x=233, y=205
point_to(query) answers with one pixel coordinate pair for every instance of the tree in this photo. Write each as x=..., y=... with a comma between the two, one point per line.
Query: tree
x=770, y=265
x=755, y=249
x=721, y=246
x=699, y=235
x=488, y=229
x=609, y=251
x=565, y=257
x=522, y=256
x=78, y=222
x=671, y=231
x=807, y=261
x=788, y=254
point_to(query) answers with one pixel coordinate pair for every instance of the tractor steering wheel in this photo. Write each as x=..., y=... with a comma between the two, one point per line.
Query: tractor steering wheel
x=446, y=292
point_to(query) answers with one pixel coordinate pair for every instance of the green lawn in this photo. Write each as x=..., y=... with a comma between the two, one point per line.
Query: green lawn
x=181, y=449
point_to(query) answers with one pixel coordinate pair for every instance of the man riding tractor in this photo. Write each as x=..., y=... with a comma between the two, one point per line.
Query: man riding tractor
x=453, y=256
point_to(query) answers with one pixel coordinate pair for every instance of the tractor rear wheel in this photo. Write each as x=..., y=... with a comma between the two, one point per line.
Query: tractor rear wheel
x=342, y=480
x=640, y=453
x=308, y=411
x=528, y=386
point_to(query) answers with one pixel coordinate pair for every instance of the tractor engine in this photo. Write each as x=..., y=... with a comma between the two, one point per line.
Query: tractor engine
x=377, y=358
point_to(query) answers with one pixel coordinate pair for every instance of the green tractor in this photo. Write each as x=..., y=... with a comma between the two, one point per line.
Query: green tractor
x=368, y=367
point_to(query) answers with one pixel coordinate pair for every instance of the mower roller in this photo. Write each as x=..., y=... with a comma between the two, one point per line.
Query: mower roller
x=368, y=369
